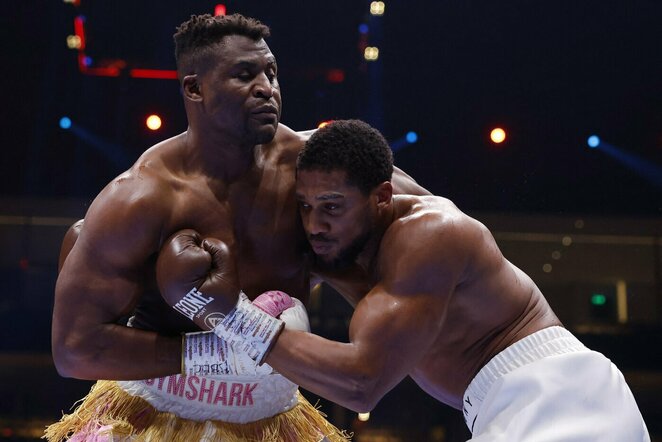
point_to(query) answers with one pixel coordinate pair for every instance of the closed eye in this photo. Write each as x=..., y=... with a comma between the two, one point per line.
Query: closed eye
x=244, y=76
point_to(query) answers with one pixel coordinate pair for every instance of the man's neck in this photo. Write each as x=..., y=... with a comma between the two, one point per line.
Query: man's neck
x=368, y=258
x=218, y=156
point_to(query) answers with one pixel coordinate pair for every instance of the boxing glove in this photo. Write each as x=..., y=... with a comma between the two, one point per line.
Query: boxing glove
x=281, y=305
x=197, y=278
x=205, y=353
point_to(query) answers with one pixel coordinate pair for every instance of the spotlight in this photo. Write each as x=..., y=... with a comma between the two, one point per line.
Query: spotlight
x=324, y=123
x=377, y=8
x=363, y=28
x=153, y=122
x=73, y=42
x=65, y=123
x=593, y=141
x=406, y=140
x=498, y=135
x=371, y=53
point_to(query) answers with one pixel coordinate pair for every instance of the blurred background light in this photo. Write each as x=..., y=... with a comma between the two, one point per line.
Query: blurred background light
x=153, y=122
x=220, y=9
x=335, y=76
x=371, y=53
x=377, y=8
x=598, y=299
x=65, y=123
x=73, y=42
x=593, y=141
x=498, y=135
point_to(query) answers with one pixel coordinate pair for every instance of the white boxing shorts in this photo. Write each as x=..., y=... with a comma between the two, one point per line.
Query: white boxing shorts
x=550, y=387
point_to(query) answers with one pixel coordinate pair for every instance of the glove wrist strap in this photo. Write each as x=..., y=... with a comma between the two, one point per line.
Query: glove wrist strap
x=249, y=329
x=203, y=353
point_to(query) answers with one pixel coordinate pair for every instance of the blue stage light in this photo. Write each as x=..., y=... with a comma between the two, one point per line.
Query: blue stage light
x=412, y=137
x=65, y=123
x=593, y=141
x=363, y=28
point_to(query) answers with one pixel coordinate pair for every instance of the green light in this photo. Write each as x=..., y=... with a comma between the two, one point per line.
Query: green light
x=598, y=299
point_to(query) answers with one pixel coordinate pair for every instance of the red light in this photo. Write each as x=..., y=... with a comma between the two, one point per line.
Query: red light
x=335, y=76
x=220, y=9
x=79, y=30
x=324, y=123
x=23, y=263
x=102, y=72
x=82, y=63
x=153, y=73
x=114, y=68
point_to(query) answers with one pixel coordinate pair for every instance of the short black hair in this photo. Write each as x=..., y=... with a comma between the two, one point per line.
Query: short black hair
x=352, y=146
x=196, y=35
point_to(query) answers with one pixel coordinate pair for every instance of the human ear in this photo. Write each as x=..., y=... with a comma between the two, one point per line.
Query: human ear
x=384, y=193
x=191, y=87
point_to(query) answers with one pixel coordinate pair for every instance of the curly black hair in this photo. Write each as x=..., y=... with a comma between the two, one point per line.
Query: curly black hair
x=353, y=146
x=195, y=36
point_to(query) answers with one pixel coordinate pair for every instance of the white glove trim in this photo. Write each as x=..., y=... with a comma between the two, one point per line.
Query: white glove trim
x=249, y=329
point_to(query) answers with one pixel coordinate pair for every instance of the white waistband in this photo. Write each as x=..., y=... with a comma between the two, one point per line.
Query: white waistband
x=235, y=399
x=543, y=343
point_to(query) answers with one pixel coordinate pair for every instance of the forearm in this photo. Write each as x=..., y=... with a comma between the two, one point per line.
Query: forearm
x=333, y=370
x=116, y=352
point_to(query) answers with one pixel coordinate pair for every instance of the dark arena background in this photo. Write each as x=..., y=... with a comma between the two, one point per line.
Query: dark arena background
x=541, y=119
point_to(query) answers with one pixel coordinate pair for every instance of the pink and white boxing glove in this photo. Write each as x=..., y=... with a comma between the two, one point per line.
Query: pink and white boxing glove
x=242, y=338
x=288, y=309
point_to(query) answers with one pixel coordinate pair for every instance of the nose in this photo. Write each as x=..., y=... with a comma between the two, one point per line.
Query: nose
x=314, y=223
x=263, y=87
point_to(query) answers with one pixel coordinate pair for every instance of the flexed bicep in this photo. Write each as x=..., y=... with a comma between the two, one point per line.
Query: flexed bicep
x=101, y=280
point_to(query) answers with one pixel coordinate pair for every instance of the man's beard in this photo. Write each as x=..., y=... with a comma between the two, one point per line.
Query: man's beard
x=346, y=257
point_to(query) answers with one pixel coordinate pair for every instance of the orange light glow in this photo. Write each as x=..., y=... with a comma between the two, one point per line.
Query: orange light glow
x=153, y=122
x=498, y=135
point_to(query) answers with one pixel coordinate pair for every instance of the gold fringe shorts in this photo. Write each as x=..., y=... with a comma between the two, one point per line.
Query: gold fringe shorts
x=116, y=411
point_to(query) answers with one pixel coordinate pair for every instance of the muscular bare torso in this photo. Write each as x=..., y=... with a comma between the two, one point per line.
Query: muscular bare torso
x=255, y=215
x=482, y=307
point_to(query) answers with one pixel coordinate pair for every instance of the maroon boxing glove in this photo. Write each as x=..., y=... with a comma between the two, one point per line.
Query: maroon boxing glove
x=197, y=277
